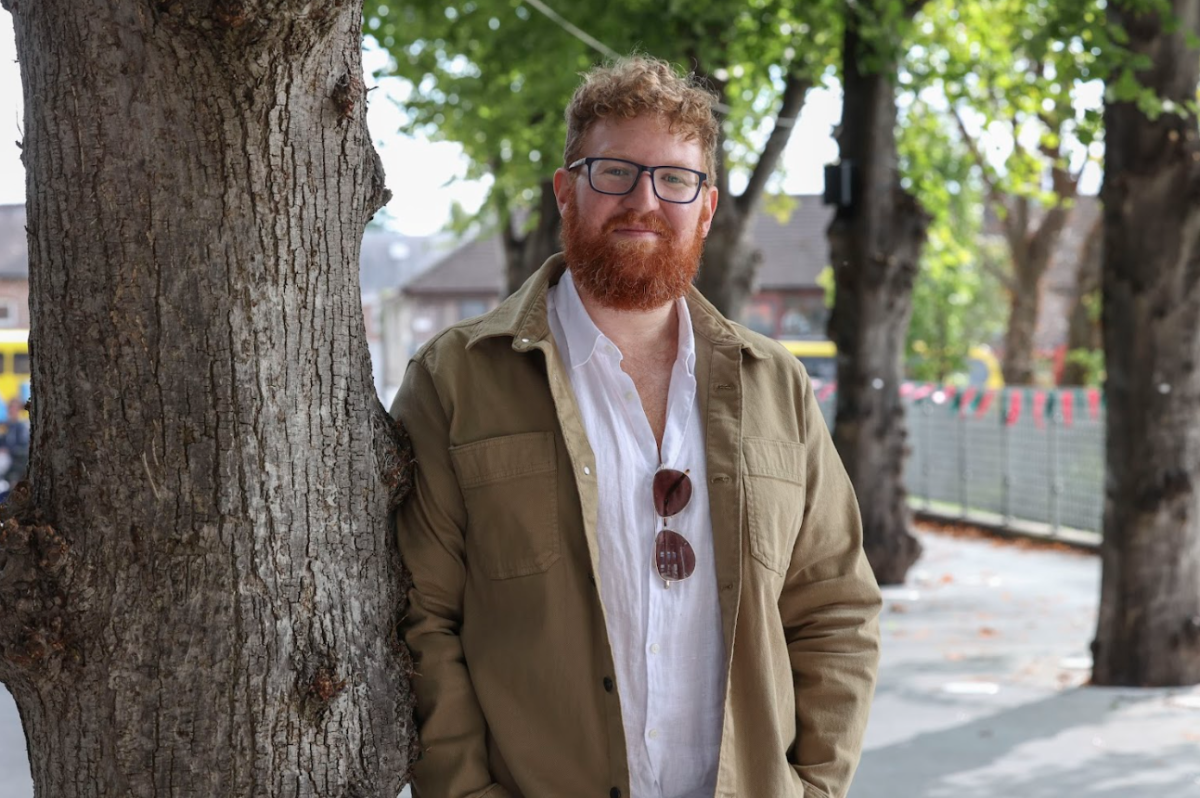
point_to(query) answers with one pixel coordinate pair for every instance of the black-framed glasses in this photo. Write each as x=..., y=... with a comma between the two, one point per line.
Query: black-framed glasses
x=674, y=557
x=617, y=176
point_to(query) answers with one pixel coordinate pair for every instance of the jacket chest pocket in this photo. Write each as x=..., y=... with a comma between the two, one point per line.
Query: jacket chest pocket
x=509, y=485
x=774, y=499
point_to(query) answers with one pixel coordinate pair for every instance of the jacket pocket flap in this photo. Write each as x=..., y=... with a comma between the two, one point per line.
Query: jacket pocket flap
x=776, y=459
x=502, y=458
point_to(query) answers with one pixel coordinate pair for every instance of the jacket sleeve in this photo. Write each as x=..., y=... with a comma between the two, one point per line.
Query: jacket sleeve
x=830, y=607
x=429, y=528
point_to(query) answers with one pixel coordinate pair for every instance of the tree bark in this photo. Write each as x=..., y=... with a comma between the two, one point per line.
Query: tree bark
x=198, y=587
x=731, y=260
x=1031, y=249
x=1083, y=331
x=1148, y=632
x=875, y=246
x=525, y=251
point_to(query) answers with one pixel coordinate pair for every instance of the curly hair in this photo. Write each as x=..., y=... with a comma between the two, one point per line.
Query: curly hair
x=637, y=86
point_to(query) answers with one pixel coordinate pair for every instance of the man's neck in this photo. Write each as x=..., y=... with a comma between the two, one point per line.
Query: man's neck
x=639, y=334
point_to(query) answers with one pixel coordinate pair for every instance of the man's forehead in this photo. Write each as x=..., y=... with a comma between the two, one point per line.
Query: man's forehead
x=615, y=137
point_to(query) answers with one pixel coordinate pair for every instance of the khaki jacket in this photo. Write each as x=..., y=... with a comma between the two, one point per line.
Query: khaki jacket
x=514, y=676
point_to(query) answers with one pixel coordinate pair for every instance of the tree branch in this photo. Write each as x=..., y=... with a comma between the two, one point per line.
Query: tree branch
x=794, y=94
x=1004, y=278
x=993, y=190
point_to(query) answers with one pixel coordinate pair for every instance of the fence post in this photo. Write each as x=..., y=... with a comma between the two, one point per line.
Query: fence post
x=1055, y=478
x=1005, y=465
x=926, y=453
x=963, y=465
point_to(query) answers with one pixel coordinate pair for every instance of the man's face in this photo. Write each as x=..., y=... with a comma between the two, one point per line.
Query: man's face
x=633, y=251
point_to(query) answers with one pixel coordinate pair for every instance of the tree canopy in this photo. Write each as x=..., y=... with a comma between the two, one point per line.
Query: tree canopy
x=495, y=76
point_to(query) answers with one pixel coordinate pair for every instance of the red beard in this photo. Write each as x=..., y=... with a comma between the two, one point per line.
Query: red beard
x=629, y=275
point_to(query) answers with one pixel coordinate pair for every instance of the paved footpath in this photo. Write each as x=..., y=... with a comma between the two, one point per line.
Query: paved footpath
x=985, y=650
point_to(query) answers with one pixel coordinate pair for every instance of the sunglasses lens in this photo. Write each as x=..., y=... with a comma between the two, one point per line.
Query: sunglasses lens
x=672, y=491
x=674, y=556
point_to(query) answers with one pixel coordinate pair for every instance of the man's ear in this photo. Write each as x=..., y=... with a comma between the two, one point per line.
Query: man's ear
x=562, y=184
x=709, y=200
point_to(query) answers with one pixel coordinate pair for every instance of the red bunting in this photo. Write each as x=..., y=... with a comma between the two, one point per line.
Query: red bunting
x=1067, y=402
x=985, y=403
x=1093, y=400
x=1014, y=408
x=1039, y=409
x=967, y=397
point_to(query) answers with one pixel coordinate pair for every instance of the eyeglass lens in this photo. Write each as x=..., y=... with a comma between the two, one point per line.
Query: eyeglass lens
x=619, y=177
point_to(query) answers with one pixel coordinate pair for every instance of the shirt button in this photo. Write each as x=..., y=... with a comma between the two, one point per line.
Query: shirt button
x=654, y=649
x=587, y=470
x=653, y=735
x=629, y=396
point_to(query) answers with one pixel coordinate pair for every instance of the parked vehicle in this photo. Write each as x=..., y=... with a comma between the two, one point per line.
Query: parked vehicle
x=14, y=368
x=819, y=356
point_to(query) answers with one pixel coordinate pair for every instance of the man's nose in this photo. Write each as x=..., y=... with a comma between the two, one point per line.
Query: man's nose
x=642, y=196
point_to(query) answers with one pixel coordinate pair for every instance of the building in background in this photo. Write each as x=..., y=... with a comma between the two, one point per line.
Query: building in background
x=470, y=281
x=389, y=261
x=14, y=268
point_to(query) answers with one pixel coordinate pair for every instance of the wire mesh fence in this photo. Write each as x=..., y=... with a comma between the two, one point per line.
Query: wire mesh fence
x=1013, y=455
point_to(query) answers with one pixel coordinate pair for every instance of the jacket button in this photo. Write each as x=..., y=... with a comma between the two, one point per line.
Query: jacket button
x=608, y=688
x=614, y=793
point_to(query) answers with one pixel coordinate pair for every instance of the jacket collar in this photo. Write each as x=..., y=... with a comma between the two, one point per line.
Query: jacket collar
x=523, y=316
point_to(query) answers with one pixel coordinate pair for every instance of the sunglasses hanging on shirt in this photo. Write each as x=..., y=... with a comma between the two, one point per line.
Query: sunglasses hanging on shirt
x=673, y=555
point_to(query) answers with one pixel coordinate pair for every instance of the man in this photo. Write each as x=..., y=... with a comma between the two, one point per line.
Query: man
x=636, y=558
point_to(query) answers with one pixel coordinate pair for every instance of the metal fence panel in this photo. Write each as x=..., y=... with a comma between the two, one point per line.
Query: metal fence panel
x=1046, y=468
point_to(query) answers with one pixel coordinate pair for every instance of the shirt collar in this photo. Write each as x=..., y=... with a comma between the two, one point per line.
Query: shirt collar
x=584, y=337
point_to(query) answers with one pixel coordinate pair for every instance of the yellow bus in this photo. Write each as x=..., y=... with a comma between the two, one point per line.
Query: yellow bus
x=14, y=367
x=820, y=359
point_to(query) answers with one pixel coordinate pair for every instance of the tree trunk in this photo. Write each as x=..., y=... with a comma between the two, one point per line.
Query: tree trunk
x=731, y=261
x=1024, y=304
x=526, y=251
x=1031, y=249
x=730, y=265
x=198, y=587
x=875, y=245
x=1083, y=332
x=1148, y=631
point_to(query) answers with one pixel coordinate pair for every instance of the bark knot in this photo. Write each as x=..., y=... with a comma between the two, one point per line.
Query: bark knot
x=394, y=452
x=318, y=689
x=36, y=564
x=347, y=93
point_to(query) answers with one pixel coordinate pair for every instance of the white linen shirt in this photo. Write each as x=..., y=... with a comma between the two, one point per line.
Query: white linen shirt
x=667, y=646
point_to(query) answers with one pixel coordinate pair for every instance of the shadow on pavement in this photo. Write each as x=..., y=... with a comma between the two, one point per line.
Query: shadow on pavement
x=1082, y=742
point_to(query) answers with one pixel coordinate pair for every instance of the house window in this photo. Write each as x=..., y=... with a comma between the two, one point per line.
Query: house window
x=468, y=308
x=21, y=363
x=8, y=313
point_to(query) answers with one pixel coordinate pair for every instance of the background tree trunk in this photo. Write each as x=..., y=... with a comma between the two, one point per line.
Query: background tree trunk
x=526, y=250
x=1031, y=248
x=1148, y=631
x=1083, y=329
x=875, y=245
x=731, y=260
x=198, y=587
